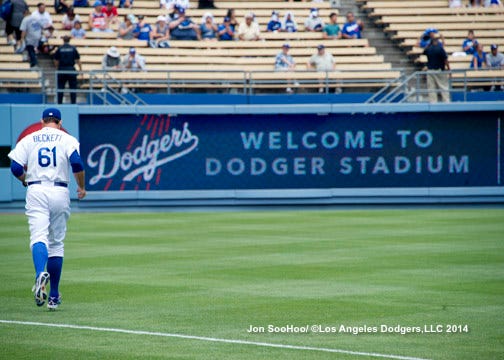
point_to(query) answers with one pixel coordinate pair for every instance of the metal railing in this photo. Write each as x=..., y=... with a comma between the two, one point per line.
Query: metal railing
x=116, y=87
x=414, y=88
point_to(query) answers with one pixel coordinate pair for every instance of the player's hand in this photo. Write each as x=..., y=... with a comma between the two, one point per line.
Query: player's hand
x=81, y=193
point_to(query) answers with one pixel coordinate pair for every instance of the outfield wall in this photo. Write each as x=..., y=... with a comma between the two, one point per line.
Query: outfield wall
x=278, y=154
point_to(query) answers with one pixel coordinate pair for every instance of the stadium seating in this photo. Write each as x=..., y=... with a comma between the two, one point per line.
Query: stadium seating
x=251, y=63
x=405, y=26
x=184, y=59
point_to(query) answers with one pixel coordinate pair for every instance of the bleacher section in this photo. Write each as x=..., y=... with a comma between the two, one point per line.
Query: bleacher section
x=358, y=64
x=210, y=65
x=405, y=21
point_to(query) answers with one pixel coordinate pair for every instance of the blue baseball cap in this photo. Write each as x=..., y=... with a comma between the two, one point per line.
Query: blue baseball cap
x=51, y=113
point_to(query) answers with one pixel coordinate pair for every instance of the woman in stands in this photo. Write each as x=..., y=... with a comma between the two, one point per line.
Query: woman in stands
x=231, y=14
x=70, y=18
x=289, y=23
x=208, y=27
x=479, y=60
x=127, y=27
x=160, y=33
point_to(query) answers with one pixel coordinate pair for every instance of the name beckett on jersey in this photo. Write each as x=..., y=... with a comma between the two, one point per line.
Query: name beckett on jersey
x=47, y=137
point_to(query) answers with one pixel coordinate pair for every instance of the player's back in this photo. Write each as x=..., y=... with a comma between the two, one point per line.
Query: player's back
x=48, y=151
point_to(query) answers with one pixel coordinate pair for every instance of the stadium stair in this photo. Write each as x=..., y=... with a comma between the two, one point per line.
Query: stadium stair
x=378, y=39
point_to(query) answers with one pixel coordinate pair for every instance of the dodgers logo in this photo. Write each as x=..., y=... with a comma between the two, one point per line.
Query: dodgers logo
x=145, y=154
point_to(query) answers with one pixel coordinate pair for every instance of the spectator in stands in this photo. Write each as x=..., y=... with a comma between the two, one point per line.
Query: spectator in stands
x=182, y=27
x=208, y=27
x=474, y=4
x=19, y=8
x=61, y=6
x=274, y=25
x=47, y=34
x=231, y=14
x=437, y=62
x=454, y=3
x=97, y=20
x=332, y=30
x=127, y=27
x=225, y=31
x=80, y=3
x=314, y=22
x=128, y=4
x=70, y=18
x=352, y=29
x=285, y=62
x=495, y=3
x=321, y=61
x=161, y=33
x=42, y=15
x=169, y=5
x=112, y=59
x=469, y=44
x=65, y=59
x=78, y=32
x=133, y=61
x=495, y=60
x=206, y=4
x=249, y=30
x=31, y=32
x=427, y=36
x=142, y=30
x=289, y=22
x=479, y=60
x=110, y=12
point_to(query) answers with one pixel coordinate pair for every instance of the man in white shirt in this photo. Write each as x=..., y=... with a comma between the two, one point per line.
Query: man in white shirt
x=249, y=30
x=42, y=16
x=133, y=61
x=322, y=60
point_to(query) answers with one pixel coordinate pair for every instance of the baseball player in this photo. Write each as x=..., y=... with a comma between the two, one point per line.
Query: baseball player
x=47, y=155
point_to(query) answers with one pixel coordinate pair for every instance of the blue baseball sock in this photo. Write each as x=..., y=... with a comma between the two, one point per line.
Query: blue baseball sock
x=39, y=255
x=54, y=267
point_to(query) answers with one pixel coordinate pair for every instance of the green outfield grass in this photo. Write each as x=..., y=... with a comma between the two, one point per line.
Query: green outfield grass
x=216, y=274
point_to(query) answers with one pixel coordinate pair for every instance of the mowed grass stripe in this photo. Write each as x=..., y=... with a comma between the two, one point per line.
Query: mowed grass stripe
x=215, y=274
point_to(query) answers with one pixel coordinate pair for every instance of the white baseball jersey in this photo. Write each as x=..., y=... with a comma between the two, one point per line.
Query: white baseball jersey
x=46, y=154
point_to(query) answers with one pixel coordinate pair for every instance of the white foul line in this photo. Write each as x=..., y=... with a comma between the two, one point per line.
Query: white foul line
x=211, y=339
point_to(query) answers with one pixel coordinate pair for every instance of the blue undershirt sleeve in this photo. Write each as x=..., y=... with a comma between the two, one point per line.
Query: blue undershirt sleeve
x=76, y=162
x=16, y=168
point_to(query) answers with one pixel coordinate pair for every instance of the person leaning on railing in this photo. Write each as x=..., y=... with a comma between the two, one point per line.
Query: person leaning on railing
x=437, y=62
x=65, y=59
